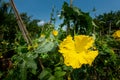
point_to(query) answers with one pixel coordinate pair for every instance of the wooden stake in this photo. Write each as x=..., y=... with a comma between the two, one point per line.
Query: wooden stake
x=21, y=24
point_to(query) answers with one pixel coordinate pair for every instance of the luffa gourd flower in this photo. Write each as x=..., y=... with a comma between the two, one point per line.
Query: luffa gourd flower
x=55, y=32
x=77, y=52
x=116, y=34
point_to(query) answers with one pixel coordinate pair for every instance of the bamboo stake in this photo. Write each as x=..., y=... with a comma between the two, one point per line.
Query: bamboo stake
x=23, y=28
x=21, y=24
x=71, y=1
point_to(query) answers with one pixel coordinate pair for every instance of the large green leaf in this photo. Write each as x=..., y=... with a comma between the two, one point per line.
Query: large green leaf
x=30, y=62
x=45, y=46
x=32, y=66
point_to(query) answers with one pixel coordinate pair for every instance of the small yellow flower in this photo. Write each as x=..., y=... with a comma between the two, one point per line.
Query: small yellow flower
x=29, y=47
x=55, y=32
x=116, y=34
x=35, y=45
x=42, y=35
x=76, y=52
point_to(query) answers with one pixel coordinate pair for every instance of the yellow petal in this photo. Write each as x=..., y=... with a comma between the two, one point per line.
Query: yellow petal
x=90, y=56
x=83, y=42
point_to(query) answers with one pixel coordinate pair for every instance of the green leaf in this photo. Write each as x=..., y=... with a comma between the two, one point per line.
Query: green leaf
x=32, y=65
x=58, y=68
x=23, y=71
x=1, y=74
x=31, y=56
x=30, y=62
x=118, y=22
x=45, y=47
x=77, y=10
x=52, y=78
x=60, y=73
x=44, y=75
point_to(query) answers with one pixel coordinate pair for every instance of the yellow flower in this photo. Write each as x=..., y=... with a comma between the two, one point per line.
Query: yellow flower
x=76, y=52
x=35, y=45
x=55, y=32
x=29, y=47
x=116, y=34
x=42, y=35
